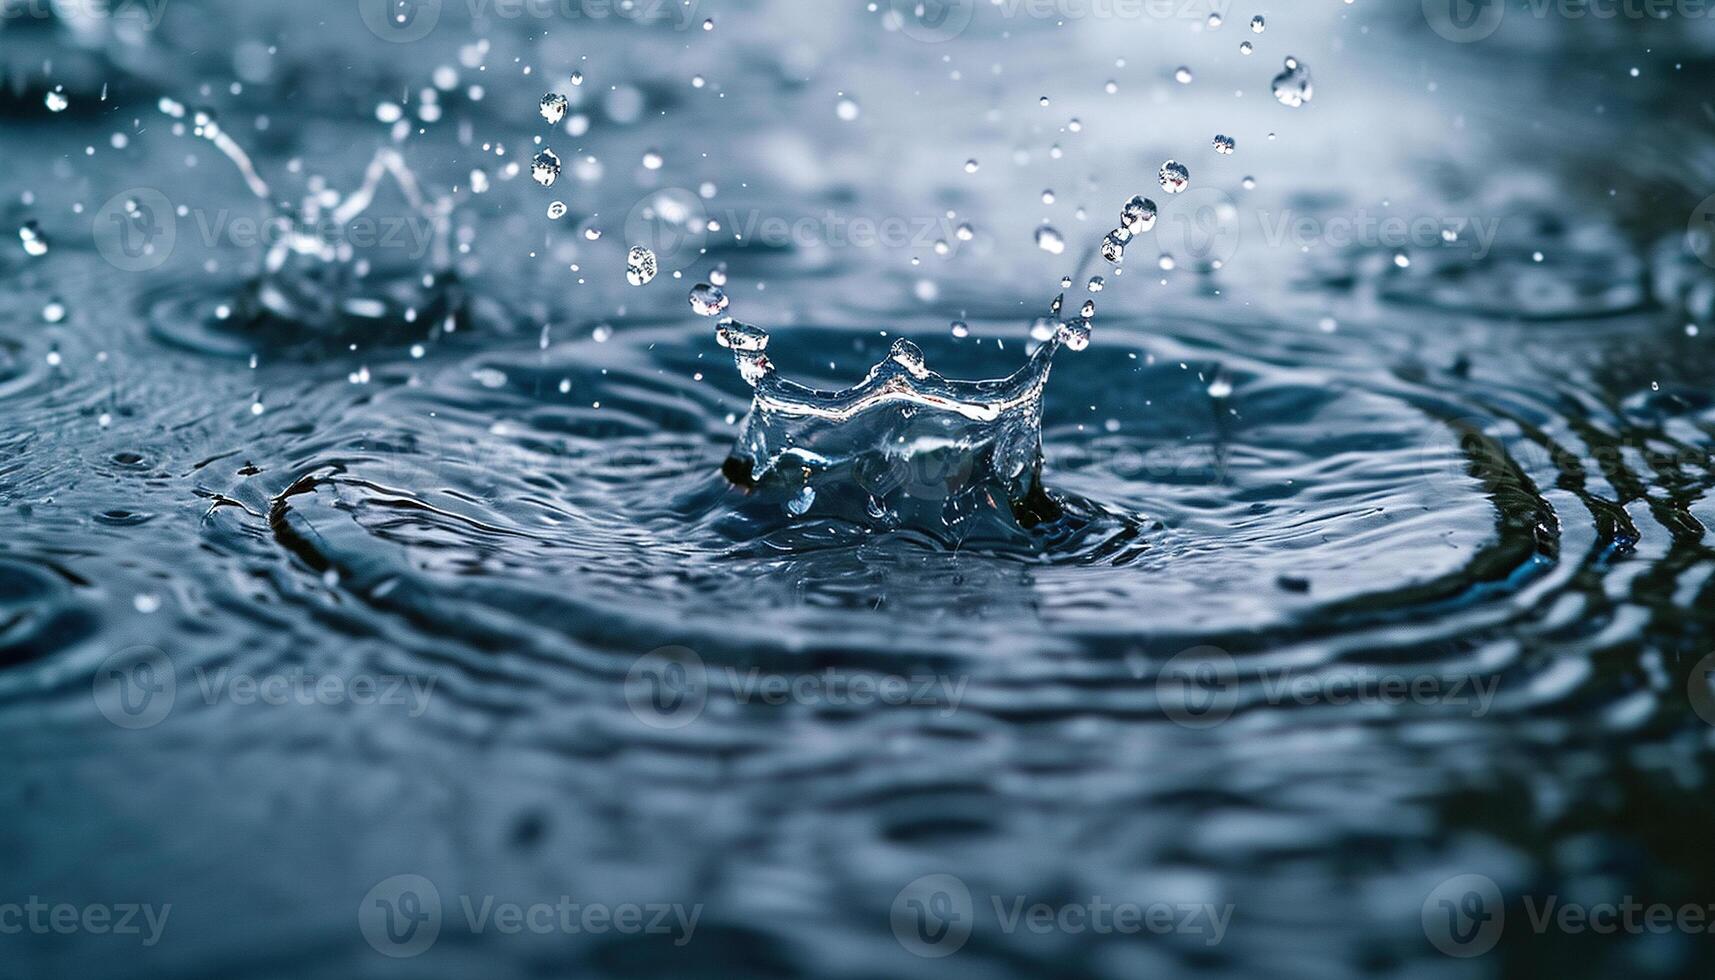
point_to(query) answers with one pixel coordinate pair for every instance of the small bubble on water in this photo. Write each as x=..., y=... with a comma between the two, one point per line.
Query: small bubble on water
x=545, y=168
x=1258, y=24
x=640, y=266
x=553, y=108
x=1225, y=145
x=1174, y=176
x=1182, y=75
x=57, y=101
x=709, y=300
x=1049, y=240
x=1292, y=87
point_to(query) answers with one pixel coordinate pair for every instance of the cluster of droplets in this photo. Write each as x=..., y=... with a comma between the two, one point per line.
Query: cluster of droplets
x=1137, y=216
x=640, y=263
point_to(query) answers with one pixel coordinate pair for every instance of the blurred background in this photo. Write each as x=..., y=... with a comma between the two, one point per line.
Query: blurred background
x=372, y=603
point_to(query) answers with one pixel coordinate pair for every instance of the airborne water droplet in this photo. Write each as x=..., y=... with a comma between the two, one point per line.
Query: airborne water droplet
x=553, y=108
x=1075, y=334
x=1137, y=216
x=1049, y=240
x=1174, y=176
x=1258, y=24
x=961, y=329
x=57, y=101
x=1224, y=145
x=742, y=337
x=1182, y=75
x=640, y=266
x=545, y=168
x=35, y=243
x=708, y=300
x=557, y=210
x=1292, y=87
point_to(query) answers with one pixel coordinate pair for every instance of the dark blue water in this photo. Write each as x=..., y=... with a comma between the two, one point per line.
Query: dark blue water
x=350, y=601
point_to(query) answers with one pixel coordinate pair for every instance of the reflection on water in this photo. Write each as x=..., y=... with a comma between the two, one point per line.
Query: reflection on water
x=355, y=593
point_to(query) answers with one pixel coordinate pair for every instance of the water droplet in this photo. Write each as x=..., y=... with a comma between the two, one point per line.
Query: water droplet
x=1292, y=87
x=961, y=329
x=1182, y=75
x=545, y=168
x=640, y=266
x=652, y=160
x=54, y=312
x=57, y=101
x=965, y=232
x=1220, y=387
x=602, y=333
x=1137, y=215
x=1214, y=21
x=557, y=210
x=1245, y=47
x=35, y=243
x=1174, y=176
x=1096, y=284
x=1049, y=240
x=1075, y=334
x=577, y=78
x=846, y=110
x=1258, y=24
x=553, y=108
x=971, y=166
x=1043, y=328
x=1088, y=309
x=1225, y=145
x=1048, y=196
x=708, y=300
x=1113, y=246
